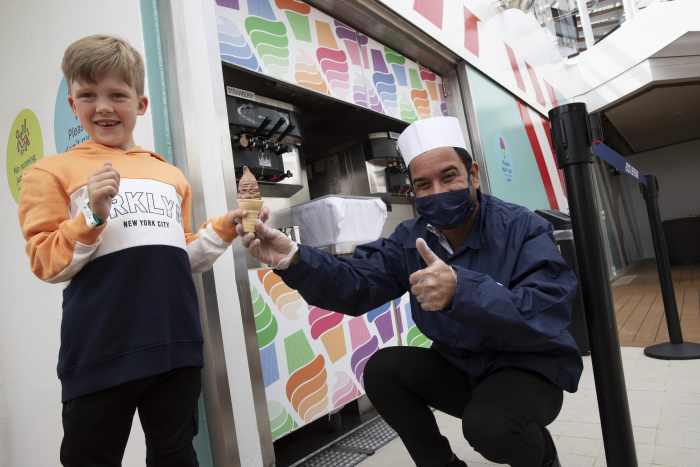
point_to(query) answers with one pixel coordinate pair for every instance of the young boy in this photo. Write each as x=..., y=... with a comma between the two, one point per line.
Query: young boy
x=111, y=221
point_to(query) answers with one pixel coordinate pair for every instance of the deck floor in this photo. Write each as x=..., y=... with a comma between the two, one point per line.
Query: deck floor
x=639, y=306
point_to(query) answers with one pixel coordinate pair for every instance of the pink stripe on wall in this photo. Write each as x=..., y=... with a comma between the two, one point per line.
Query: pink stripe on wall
x=430, y=10
x=552, y=95
x=538, y=91
x=515, y=67
x=539, y=156
x=547, y=127
x=471, y=32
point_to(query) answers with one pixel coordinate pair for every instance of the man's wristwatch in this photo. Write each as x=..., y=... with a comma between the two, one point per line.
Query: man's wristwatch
x=90, y=218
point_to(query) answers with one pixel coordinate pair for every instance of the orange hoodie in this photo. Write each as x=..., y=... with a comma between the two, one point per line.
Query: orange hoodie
x=59, y=242
x=130, y=309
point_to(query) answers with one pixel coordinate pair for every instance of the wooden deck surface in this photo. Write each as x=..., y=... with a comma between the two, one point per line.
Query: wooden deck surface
x=639, y=306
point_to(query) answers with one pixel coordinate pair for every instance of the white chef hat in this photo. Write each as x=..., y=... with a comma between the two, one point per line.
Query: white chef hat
x=430, y=133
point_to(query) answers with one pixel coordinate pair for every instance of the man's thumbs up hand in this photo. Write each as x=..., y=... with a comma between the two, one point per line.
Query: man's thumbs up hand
x=434, y=286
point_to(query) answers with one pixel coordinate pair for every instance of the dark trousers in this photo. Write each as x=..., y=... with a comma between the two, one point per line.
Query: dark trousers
x=96, y=426
x=503, y=415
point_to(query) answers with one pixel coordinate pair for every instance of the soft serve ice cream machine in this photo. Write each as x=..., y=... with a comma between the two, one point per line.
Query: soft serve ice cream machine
x=369, y=167
x=265, y=137
x=312, y=359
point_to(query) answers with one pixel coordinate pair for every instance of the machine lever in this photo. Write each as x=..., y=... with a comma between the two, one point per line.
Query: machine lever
x=279, y=123
x=262, y=126
x=284, y=134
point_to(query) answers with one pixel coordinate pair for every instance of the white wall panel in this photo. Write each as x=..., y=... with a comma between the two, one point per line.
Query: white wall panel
x=34, y=35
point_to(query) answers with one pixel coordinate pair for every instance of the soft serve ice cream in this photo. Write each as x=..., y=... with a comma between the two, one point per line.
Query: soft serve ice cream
x=249, y=199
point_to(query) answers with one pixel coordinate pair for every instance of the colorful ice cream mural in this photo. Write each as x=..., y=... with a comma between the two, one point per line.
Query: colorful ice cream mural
x=410, y=334
x=313, y=359
x=291, y=41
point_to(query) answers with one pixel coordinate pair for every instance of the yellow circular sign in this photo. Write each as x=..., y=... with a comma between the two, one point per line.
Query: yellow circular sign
x=24, y=147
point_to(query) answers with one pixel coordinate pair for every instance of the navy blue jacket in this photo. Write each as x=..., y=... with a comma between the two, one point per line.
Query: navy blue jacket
x=513, y=301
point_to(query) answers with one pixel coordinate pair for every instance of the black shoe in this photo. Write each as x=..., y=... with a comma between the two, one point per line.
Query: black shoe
x=554, y=461
x=455, y=462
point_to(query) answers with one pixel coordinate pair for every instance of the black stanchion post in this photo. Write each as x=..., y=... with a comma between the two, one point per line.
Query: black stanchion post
x=571, y=139
x=676, y=349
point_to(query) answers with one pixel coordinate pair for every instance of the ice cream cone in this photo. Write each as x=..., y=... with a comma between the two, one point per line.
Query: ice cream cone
x=253, y=207
x=334, y=342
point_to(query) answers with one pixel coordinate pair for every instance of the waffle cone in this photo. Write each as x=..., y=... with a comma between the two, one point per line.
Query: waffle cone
x=253, y=207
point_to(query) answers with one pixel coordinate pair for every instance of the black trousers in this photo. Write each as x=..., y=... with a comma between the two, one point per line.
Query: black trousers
x=503, y=415
x=96, y=426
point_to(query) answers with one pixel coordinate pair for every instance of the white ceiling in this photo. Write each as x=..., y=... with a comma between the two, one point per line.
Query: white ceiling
x=658, y=116
x=664, y=113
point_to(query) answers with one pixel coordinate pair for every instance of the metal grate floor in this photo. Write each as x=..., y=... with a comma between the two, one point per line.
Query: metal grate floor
x=623, y=280
x=353, y=448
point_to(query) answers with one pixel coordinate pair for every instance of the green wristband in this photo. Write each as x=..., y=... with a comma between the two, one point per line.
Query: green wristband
x=98, y=221
x=90, y=218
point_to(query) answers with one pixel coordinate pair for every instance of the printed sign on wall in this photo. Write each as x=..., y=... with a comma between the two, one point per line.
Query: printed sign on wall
x=67, y=130
x=25, y=146
x=519, y=160
x=505, y=163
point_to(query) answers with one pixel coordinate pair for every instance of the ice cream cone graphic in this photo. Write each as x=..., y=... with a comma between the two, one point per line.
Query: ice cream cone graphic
x=281, y=422
x=334, y=342
x=298, y=17
x=414, y=338
x=384, y=83
x=328, y=326
x=332, y=60
x=381, y=317
x=266, y=330
x=234, y=47
x=287, y=300
x=360, y=356
x=307, y=73
x=359, y=91
x=306, y=388
x=269, y=37
x=344, y=390
x=397, y=63
x=359, y=334
x=349, y=38
x=407, y=112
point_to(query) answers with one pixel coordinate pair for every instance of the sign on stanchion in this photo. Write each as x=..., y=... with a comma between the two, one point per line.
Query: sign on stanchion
x=572, y=135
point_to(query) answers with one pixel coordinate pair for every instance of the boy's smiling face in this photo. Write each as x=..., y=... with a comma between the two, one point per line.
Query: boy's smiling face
x=108, y=110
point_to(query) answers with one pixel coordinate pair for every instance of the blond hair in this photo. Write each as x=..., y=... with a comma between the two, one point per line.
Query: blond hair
x=89, y=59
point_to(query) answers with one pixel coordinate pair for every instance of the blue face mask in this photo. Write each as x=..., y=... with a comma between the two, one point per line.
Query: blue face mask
x=447, y=210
